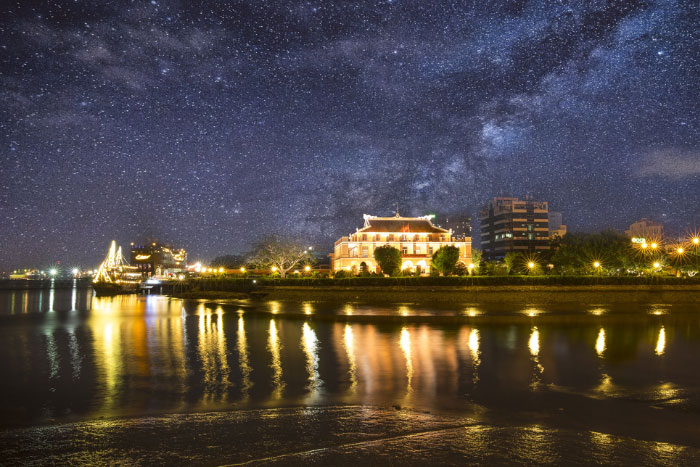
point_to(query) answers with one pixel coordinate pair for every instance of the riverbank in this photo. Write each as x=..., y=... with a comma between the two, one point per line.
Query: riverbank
x=585, y=295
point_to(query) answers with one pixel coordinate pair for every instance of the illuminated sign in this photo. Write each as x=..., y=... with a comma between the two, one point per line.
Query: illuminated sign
x=639, y=240
x=142, y=257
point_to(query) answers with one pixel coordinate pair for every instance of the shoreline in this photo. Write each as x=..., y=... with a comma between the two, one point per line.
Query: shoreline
x=542, y=294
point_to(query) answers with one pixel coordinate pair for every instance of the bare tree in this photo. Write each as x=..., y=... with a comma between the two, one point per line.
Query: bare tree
x=280, y=253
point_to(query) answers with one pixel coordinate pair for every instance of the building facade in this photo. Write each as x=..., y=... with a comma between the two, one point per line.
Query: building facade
x=514, y=225
x=459, y=224
x=156, y=259
x=415, y=237
x=556, y=226
x=647, y=229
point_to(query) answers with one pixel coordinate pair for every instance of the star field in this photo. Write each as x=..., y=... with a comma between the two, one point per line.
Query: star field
x=211, y=124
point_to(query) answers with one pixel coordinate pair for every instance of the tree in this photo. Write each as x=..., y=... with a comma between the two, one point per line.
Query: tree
x=281, y=252
x=388, y=258
x=477, y=255
x=445, y=259
x=578, y=253
x=510, y=260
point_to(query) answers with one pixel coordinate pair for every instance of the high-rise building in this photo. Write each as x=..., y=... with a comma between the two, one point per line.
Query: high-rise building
x=459, y=224
x=511, y=224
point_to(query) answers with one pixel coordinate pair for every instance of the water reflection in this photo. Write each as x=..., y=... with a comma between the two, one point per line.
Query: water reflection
x=405, y=342
x=309, y=343
x=600, y=342
x=661, y=342
x=349, y=344
x=273, y=345
x=130, y=354
x=243, y=360
x=534, y=346
x=212, y=353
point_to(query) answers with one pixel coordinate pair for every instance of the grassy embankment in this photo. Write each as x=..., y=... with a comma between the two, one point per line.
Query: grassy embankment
x=539, y=289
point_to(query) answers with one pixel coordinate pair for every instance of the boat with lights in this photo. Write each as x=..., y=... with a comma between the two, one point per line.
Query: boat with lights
x=115, y=276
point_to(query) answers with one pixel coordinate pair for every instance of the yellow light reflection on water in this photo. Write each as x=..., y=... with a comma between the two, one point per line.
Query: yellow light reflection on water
x=349, y=343
x=309, y=344
x=600, y=342
x=661, y=342
x=405, y=343
x=273, y=345
x=308, y=308
x=243, y=360
x=213, y=354
x=534, y=342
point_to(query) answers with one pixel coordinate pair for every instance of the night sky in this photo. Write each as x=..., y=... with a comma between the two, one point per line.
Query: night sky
x=211, y=124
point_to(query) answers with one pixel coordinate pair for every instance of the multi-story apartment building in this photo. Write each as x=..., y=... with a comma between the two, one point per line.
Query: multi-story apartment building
x=416, y=237
x=512, y=224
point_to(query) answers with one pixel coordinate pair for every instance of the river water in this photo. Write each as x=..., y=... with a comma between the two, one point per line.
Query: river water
x=130, y=368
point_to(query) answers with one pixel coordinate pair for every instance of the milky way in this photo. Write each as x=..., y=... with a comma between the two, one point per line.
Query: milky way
x=210, y=124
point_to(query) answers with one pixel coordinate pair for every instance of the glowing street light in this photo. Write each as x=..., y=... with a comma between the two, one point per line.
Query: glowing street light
x=52, y=272
x=307, y=268
x=530, y=265
x=221, y=269
x=680, y=250
x=654, y=246
x=656, y=265
x=644, y=245
x=273, y=269
x=596, y=264
x=696, y=240
x=242, y=269
x=75, y=271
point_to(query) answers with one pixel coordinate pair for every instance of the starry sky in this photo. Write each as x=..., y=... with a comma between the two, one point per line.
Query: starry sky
x=211, y=124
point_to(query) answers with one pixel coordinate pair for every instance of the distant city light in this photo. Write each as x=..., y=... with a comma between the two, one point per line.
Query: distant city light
x=654, y=245
x=75, y=271
x=307, y=268
x=696, y=240
x=221, y=269
x=656, y=265
x=596, y=264
x=530, y=265
x=52, y=272
x=680, y=250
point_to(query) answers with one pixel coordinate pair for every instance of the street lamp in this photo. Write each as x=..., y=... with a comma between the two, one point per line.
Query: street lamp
x=644, y=245
x=307, y=268
x=656, y=265
x=696, y=240
x=273, y=269
x=530, y=265
x=221, y=269
x=75, y=271
x=242, y=269
x=596, y=264
x=654, y=245
x=680, y=250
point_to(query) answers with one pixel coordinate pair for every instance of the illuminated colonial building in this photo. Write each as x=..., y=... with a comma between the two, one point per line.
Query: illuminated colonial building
x=153, y=258
x=415, y=237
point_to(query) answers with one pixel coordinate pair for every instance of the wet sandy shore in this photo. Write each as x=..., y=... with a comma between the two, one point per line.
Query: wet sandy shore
x=328, y=435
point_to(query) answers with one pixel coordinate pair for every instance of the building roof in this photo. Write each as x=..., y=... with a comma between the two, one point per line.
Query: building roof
x=400, y=224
